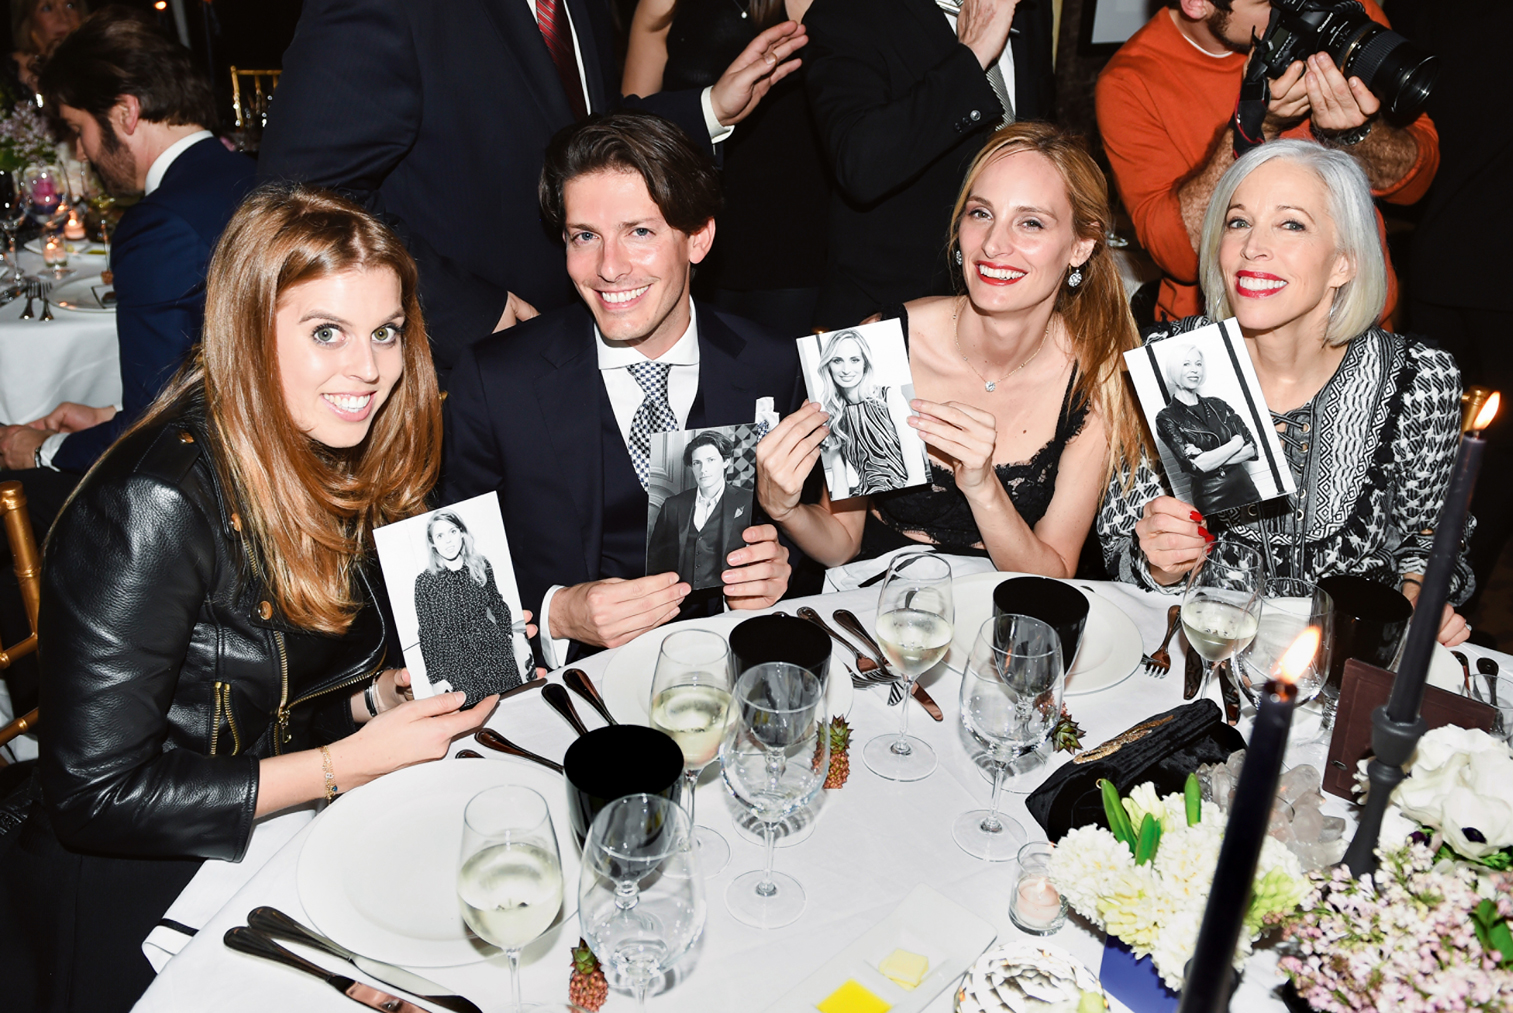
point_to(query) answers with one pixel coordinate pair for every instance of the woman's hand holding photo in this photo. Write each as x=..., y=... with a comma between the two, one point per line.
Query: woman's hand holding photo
x=786, y=456
x=412, y=732
x=966, y=436
x=1173, y=537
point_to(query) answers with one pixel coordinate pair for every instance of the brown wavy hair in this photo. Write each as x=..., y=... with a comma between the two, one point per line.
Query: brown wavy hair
x=1096, y=313
x=307, y=510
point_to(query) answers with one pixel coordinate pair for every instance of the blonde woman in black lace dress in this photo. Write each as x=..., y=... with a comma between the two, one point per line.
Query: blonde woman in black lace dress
x=466, y=631
x=1020, y=393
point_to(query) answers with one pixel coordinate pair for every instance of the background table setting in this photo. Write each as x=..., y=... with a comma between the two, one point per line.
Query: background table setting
x=876, y=858
x=72, y=357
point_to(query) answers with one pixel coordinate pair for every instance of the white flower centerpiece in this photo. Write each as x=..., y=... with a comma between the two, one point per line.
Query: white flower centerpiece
x=1460, y=787
x=1147, y=881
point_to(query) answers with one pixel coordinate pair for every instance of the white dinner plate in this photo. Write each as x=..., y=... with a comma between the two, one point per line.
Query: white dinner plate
x=627, y=677
x=83, y=295
x=946, y=934
x=378, y=873
x=81, y=248
x=1110, y=651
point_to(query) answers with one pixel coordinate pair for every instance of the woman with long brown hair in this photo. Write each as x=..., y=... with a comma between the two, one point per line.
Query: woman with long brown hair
x=1021, y=400
x=211, y=651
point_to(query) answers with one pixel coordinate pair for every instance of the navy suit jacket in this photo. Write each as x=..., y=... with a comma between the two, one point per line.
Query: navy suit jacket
x=524, y=418
x=160, y=253
x=436, y=115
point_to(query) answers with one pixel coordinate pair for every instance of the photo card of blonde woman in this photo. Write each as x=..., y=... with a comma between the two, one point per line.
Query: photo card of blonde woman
x=699, y=500
x=1205, y=408
x=861, y=377
x=452, y=589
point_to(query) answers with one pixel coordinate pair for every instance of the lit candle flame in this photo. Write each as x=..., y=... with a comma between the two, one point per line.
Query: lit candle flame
x=1488, y=412
x=1295, y=661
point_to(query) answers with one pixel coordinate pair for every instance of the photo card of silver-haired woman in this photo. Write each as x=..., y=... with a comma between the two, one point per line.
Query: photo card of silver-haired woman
x=1200, y=394
x=861, y=377
x=452, y=588
x=699, y=494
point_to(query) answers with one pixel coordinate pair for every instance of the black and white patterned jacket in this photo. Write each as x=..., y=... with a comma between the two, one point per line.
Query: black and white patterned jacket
x=1371, y=455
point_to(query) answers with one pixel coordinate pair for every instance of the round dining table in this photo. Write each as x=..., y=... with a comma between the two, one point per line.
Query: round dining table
x=872, y=842
x=72, y=357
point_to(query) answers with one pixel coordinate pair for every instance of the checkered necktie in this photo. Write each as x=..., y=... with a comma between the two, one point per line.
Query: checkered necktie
x=1001, y=89
x=654, y=416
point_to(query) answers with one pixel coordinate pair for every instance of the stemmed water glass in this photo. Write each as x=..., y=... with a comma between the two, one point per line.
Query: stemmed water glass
x=690, y=701
x=1291, y=606
x=1010, y=703
x=1221, y=608
x=45, y=189
x=510, y=875
x=914, y=617
x=640, y=895
x=774, y=760
x=12, y=214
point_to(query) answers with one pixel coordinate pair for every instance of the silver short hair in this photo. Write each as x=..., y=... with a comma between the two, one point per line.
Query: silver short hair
x=1359, y=302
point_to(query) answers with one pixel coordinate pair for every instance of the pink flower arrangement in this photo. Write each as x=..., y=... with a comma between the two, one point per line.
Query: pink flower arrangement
x=24, y=138
x=1419, y=936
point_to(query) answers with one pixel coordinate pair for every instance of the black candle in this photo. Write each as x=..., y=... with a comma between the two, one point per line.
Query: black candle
x=1210, y=976
x=1423, y=631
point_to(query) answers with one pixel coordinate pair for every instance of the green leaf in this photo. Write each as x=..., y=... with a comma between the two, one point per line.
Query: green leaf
x=1192, y=795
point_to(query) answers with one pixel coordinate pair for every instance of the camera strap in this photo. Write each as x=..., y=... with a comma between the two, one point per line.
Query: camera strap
x=1255, y=97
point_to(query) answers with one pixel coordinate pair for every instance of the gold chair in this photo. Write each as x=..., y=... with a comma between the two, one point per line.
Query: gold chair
x=18, y=530
x=250, y=92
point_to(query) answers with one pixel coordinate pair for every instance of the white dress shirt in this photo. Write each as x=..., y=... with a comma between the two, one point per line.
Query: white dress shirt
x=1005, y=64
x=717, y=131
x=625, y=397
x=155, y=173
x=702, y=507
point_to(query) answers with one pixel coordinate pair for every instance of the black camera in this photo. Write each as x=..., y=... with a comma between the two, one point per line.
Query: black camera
x=1397, y=72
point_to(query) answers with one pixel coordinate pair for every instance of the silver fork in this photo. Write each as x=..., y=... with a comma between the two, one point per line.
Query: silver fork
x=31, y=293
x=44, y=287
x=1158, y=664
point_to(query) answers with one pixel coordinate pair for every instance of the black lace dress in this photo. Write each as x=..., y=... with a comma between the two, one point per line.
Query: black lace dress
x=938, y=513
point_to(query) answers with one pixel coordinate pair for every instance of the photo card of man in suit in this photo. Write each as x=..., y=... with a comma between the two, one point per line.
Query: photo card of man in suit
x=452, y=589
x=1200, y=395
x=861, y=376
x=699, y=495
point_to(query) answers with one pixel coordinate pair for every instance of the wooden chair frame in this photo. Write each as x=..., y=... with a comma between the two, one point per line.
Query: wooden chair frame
x=258, y=97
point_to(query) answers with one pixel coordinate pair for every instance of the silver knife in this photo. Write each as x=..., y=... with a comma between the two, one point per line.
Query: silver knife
x=270, y=921
x=259, y=944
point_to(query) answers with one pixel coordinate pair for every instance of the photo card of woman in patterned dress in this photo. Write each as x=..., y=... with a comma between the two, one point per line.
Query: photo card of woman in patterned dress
x=699, y=500
x=1204, y=404
x=452, y=588
x=861, y=377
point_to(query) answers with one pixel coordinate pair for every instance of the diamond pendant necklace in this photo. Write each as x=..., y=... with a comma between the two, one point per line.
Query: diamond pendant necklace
x=992, y=385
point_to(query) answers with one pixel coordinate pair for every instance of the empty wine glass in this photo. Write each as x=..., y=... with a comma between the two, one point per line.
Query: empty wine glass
x=1221, y=607
x=1290, y=607
x=914, y=617
x=1010, y=703
x=690, y=701
x=640, y=896
x=774, y=760
x=510, y=875
x=12, y=214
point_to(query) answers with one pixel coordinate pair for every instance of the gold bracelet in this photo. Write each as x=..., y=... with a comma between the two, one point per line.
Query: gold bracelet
x=330, y=774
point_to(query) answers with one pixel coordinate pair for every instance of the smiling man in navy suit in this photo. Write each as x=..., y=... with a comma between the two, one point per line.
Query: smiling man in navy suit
x=138, y=106
x=556, y=414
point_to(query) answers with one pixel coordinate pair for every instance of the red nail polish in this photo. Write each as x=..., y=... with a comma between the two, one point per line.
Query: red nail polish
x=1197, y=517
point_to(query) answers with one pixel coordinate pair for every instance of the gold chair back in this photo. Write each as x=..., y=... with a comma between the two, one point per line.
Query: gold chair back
x=250, y=92
x=23, y=545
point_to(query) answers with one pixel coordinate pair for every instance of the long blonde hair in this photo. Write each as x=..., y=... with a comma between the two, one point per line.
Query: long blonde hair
x=1096, y=313
x=308, y=510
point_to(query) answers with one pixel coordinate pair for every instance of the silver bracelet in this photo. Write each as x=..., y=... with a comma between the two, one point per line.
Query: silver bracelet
x=371, y=699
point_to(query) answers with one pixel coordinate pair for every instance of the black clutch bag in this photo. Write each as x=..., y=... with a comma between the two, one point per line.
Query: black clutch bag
x=1162, y=749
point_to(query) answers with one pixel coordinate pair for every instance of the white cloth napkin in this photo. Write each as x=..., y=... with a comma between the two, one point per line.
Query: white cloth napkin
x=850, y=576
x=216, y=883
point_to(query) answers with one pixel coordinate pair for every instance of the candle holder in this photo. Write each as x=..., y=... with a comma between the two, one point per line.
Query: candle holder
x=1036, y=907
x=1397, y=727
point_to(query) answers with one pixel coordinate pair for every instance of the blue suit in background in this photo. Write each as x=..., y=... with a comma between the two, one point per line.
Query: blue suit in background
x=159, y=254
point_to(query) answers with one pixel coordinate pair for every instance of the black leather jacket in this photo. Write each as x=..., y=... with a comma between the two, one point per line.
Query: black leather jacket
x=166, y=672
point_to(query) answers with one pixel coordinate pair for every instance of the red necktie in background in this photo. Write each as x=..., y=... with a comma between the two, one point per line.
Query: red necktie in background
x=559, y=42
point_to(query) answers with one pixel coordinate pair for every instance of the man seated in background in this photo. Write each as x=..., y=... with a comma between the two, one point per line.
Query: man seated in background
x=556, y=414
x=138, y=109
x=1165, y=103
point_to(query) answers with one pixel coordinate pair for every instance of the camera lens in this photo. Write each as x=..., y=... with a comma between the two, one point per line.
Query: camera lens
x=1397, y=72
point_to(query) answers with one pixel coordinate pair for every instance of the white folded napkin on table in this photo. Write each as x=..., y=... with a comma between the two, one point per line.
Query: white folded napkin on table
x=216, y=883
x=850, y=576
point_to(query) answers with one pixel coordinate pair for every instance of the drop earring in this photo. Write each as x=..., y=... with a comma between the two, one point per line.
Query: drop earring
x=957, y=257
x=1075, y=278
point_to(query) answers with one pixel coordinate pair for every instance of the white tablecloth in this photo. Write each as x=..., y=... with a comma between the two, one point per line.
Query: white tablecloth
x=875, y=841
x=73, y=357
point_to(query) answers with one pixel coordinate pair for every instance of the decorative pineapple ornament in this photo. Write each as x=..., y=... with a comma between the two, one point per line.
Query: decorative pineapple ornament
x=587, y=987
x=840, y=763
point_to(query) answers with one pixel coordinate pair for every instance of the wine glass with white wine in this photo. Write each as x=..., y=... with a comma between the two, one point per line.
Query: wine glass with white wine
x=509, y=878
x=1221, y=608
x=690, y=701
x=915, y=613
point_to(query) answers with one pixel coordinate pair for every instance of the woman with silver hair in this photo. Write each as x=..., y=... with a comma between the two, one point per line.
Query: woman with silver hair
x=1368, y=420
x=863, y=450
x=466, y=630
